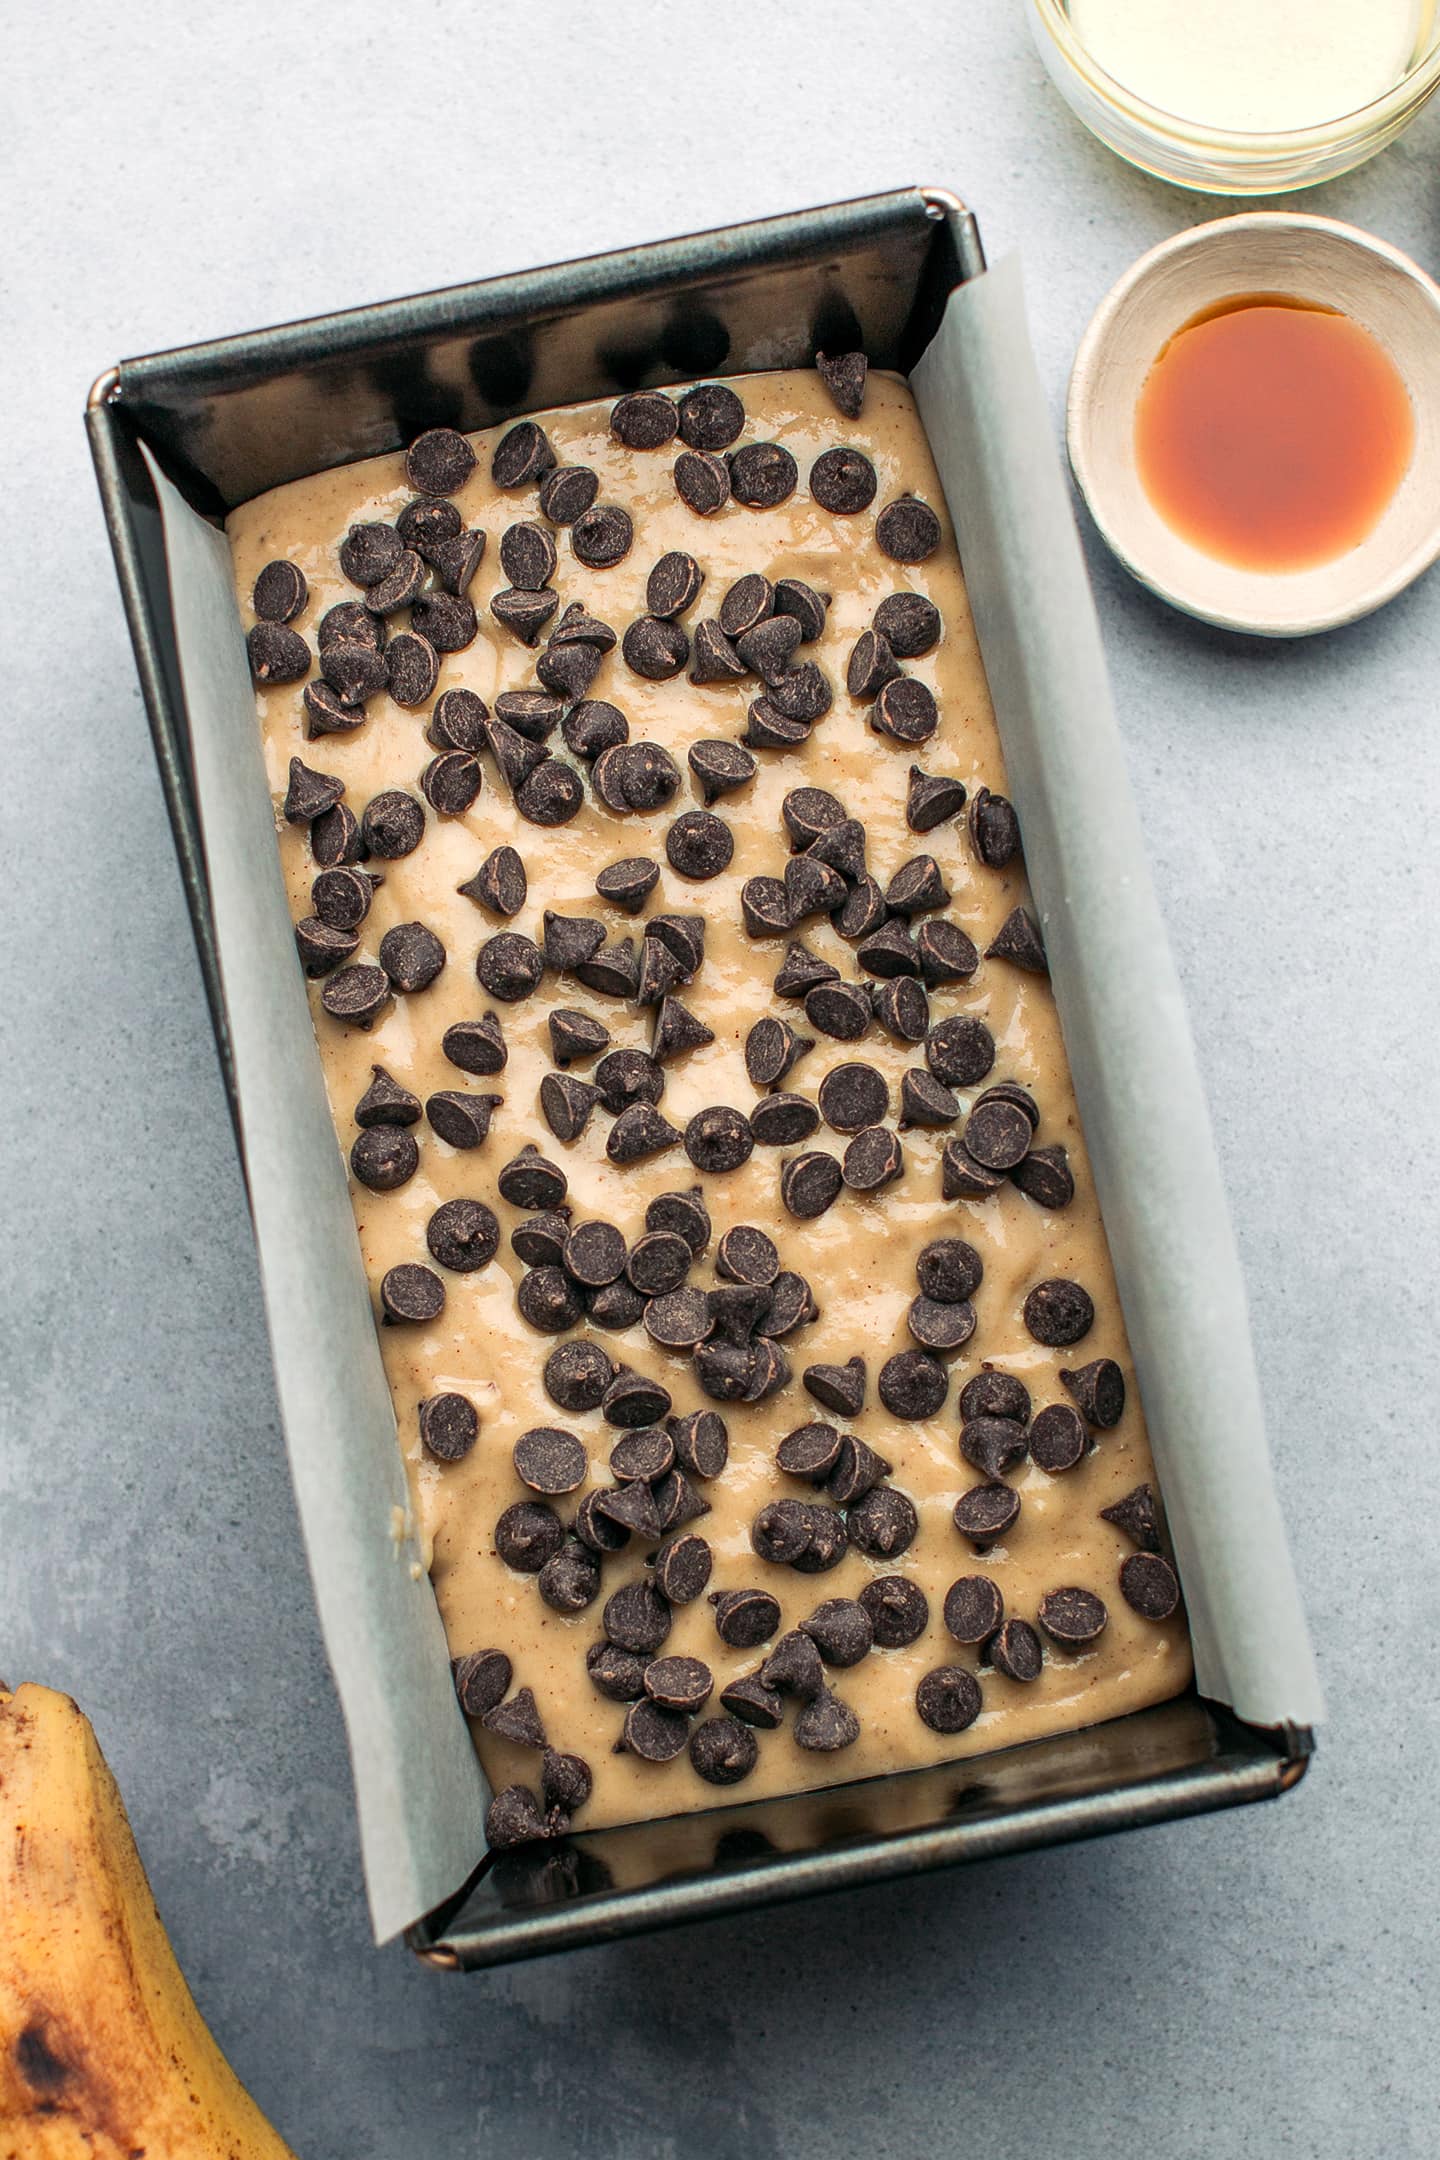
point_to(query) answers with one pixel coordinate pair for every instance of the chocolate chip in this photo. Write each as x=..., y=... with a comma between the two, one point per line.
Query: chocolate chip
x=335, y=838
x=456, y=561
x=838, y=1009
x=614, y=972
x=843, y=375
x=863, y=912
x=719, y=1140
x=327, y=713
x=426, y=523
x=771, y=1048
x=509, y=966
x=843, y=481
x=993, y=1445
x=309, y=794
x=615, y=1305
x=997, y=1134
x=1099, y=1392
x=527, y=556
x=567, y=492
x=654, y=648
x=702, y=482
x=439, y=462
x=826, y=1724
x=841, y=1631
x=949, y=1270
x=570, y=1580
x=522, y=456
x=639, y=1132
x=550, y=1461
x=913, y=1385
x=1138, y=1516
x=412, y=1293
x=384, y=1158
x=699, y=845
x=762, y=475
x=768, y=647
x=451, y=782
x=599, y=1530
x=356, y=995
x=277, y=654
x=852, y=1097
x=575, y=1036
x=393, y=824
x=1016, y=1651
x=476, y=1046
x=1059, y=1312
x=524, y=614
x=994, y=829
x=682, y=1568
x=1148, y=1585
x=549, y=1300
x=482, y=1679
x=616, y=1673
x=577, y=1375
x=648, y=775
x=917, y=887
x=871, y=666
x=1072, y=1617
x=370, y=553
x=595, y=1254
x=398, y=588
x=514, y=1817
x=412, y=956
x=946, y=953
x=355, y=672
x=531, y=713
x=679, y=1683
x=873, y=1160
x=441, y=622
x=948, y=1699
x=348, y=623
x=720, y=767
x=1018, y=940
x=702, y=1443
x=974, y=1609
x=632, y=1399
x=747, y=1255
x=568, y=671
x=279, y=592
x=995, y=1394
x=794, y=1667
x=322, y=948
x=385, y=1102
x=811, y=1451
x=889, y=952
x=811, y=888
x=810, y=1183
x=801, y=693
x=906, y=711
x=566, y=1782
x=884, y=1523
x=960, y=1051
x=962, y=1178
x=1045, y=1177
x=784, y=1121
x=463, y=1235
x=551, y=795
x=539, y=1242
x=654, y=1734
x=629, y=1507
x=940, y=1327
x=711, y=416
x=500, y=884
x=676, y=1029
x=673, y=585
x=601, y=536
x=629, y=883
x=683, y=1213
x=528, y=1535
x=723, y=1751
x=636, y=1617
x=736, y=1309
x=644, y=420
x=1057, y=1439
x=767, y=729
x=985, y=1513
x=923, y=1101
x=531, y=1180
x=764, y=907
x=907, y=530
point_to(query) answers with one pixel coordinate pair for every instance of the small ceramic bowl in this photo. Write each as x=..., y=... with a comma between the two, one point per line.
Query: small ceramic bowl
x=1308, y=258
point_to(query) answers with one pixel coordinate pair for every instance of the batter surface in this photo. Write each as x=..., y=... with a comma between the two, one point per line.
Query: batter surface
x=858, y=1257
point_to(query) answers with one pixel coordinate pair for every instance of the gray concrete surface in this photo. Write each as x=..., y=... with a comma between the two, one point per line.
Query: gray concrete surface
x=1256, y=1984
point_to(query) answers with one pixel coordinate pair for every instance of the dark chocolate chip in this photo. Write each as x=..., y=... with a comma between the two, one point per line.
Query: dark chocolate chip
x=385, y=1102
x=457, y=721
x=653, y=1734
x=655, y=648
x=997, y=1134
x=702, y=482
x=806, y=606
x=570, y=940
x=719, y=1140
x=810, y=1183
x=566, y=1782
x=907, y=530
x=522, y=456
x=412, y=956
x=636, y=1617
x=843, y=481
x=682, y=1568
x=550, y=1461
x=843, y=375
x=889, y=952
x=627, y=1508
x=974, y=1608
x=873, y=1160
x=476, y=1046
x=711, y=416
x=577, y=1375
x=1045, y=1177
x=722, y=1750
x=463, y=1235
x=570, y=1580
x=841, y=1631
x=768, y=647
x=326, y=712
x=354, y=672
x=524, y=614
x=1018, y=940
x=840, y=1388
x=309, y=794
x=783, y=1121
x=679, y=1683
x=1099, y=1392
x=924, y=1101
x=321, y=947
x=684, y=936
x=993, y=1445
x=527, y=1535
x=370, y=553
x=852, y=1097
x=639, y=1132
x=527, y=556
x=949, y=1270
x=931, y=799
x=985, y=1513
x=439, y=462
x=481, y=1680
x=768, y=729
x=335, y=838
x=699, y=845
x=577, y=626
x=384, y=1158
x=644, y=420
x=456, y=561
x=567, y=492
x=1059, y=1312
x=771, y=1049
x=535, y=714
x=514, y=1817
x=946, y=953
x=1138, y=1516
x=995, y=1394
x=1058, y=1439
x=810, y=1451
x=616, y=1673
x=445, y=623
x=736, y=1309
x=826, y=1725
x=871, y=666
x=566, y=1104
x=747, y=1255
x=902, y=1007
x=509, y=965
x=898, y=1611
x=615, y=1305
x=462, y=1121
x=412, y=1293
x=1016, y=1651
x=884, y=1523
x=962, y=1178
x=399, y=587
x=348, y=623
x=765, y=907
x=648, y=775
x=539, y=1241
x=912, y=626
x=677, y=1502
x=601, y=536
x=1072, y=1617
x=548, y=1300
x=863, y=912
x=531, y=1180
x=702, y=1443
x=794, y=1666
x=906, y=711
x=940, y=1327
x=917, y=887
x=614, y=972
x=575, y=1036
x=628, y=884
x=1148, y=1585
x=913, y=1385
x=625, y=1077
x=279, y=592
x=960, y=1051
x=633, y=1399
x=812, y=888
x=277, y=654
x=595, y=1254
x=994, y=829
x=673, y=586
x=838, y=1009
x=451, y=782
x=551, y=795
x=762, y=475
x=356, y=995
x=426, y=523
x=677, y=1029
x=948, y=1699
x=393, y=824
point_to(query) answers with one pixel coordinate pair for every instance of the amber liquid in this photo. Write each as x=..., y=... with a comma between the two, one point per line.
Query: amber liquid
x=1272, y=434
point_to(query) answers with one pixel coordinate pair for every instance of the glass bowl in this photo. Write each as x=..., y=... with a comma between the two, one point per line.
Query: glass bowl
x=1216, y=160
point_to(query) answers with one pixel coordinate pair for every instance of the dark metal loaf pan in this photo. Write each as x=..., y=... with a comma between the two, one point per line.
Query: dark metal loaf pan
x=229, y=419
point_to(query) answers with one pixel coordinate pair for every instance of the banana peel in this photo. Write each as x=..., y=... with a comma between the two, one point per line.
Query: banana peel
x=103, y=2054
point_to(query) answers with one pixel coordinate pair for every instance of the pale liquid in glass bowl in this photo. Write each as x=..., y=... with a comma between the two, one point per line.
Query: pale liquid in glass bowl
x=1256, y=66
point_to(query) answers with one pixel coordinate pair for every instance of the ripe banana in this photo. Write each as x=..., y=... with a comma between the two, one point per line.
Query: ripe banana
x=103, y=2054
